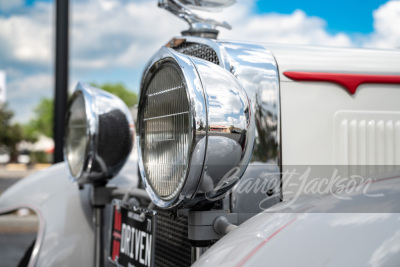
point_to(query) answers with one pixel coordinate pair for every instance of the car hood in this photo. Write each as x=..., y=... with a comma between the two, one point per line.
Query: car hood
x=329, y=231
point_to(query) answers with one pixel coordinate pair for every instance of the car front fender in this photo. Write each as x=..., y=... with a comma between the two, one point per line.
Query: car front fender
x=66, y=229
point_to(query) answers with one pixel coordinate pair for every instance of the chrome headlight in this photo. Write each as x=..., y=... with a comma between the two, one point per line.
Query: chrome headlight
x=167, y=139
x=98, y=137
x=195, y=128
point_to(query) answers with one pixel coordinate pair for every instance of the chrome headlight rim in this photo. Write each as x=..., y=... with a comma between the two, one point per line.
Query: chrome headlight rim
x=167, y=63
x=198, y=114
x=84, y=91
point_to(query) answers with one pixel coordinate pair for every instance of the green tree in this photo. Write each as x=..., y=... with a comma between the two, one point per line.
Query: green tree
x=118, y=89
x=10, y=134
x=42, y=123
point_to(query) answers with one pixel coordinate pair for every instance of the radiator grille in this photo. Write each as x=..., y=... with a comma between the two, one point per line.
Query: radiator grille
x=172, y=244
x=198, y=50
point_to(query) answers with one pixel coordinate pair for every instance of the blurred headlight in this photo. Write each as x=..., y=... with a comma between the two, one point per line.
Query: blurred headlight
x=194, y=127
x=98, y=138
x=76, y=135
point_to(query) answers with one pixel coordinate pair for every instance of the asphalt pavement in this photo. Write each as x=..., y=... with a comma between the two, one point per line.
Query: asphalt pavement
x=6, y=183
x=13, y=247
x=9, y=177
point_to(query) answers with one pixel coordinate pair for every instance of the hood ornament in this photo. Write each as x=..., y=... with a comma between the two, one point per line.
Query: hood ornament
x=198, y=26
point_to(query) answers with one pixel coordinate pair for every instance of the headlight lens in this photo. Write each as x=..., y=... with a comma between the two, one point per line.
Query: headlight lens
x=166, y=134
x=76, y=140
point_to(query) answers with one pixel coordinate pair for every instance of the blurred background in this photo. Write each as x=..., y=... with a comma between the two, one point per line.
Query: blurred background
x=110, y=42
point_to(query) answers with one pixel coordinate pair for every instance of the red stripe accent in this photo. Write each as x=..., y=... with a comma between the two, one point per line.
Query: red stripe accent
x=115, y=252
x=245, y=259
x=117, y=219
x=349, y=81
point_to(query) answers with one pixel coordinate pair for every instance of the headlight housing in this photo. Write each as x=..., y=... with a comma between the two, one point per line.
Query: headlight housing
x=195, y=130
x=99, y=135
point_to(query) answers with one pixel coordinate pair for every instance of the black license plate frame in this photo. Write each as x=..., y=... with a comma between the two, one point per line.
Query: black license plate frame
x=132, y=235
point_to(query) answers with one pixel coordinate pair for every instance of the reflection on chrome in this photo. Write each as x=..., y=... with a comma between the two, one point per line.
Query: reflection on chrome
x=256, y=69
x=231, y=125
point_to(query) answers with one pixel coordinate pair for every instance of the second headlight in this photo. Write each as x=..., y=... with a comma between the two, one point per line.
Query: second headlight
x=98, y=135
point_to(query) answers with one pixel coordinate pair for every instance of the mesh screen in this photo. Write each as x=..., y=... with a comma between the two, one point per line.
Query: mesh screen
x=166, y=132
x=172, y=244
x=114, y=135
x=198, y=50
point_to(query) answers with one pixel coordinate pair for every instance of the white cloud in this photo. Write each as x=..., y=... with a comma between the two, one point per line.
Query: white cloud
x=386, y=26
x=108, y=34
x=119, y=34
x=295, y=28
x=26, y=92
x=27, y=38
x=27, y=56
x=30, y=85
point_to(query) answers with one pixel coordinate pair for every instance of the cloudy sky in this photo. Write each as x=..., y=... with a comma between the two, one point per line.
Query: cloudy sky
x=111, y=40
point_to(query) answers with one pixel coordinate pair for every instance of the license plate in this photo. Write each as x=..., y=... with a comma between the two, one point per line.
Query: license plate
x=132, y=235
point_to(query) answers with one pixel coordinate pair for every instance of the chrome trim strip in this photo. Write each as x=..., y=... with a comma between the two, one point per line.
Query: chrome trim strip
x=41, y=229
x=165, y=91
x=165, y=116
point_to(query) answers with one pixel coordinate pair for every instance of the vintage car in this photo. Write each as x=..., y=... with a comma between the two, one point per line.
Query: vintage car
x=244, y=154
